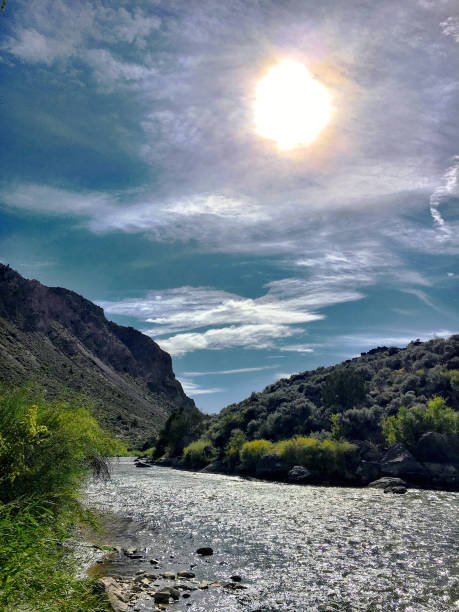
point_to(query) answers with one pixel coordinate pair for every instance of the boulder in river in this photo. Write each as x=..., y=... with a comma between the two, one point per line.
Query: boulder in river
x=398, y=461
x=299, y=475
x=142, y=464
x=387, y=481
x=271, y=466
x=205, y=551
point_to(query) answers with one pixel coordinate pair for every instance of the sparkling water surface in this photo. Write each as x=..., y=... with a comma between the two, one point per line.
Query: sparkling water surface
x=297, y=548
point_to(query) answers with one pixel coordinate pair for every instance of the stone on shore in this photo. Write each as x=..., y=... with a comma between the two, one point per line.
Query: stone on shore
x=117, y=599
x=185, y=574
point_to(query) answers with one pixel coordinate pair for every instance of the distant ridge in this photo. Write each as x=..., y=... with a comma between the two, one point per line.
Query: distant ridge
x=62, y=340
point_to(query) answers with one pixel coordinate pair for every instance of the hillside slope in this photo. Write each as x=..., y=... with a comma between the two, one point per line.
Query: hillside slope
x=63, y=341
x=363, y=391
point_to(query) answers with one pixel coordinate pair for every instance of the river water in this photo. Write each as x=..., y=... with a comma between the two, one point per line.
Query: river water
x=297, y=548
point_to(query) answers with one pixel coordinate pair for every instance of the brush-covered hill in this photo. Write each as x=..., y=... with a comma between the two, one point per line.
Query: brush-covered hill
x=363, y=391
x=61, y=340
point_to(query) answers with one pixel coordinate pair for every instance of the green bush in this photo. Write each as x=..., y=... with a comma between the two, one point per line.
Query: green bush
x=233, y=448
x=198, y=454
x=252, y=452
x=409, y=424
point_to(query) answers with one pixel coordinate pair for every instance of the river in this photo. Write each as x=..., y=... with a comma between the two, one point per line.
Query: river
x=297, y=548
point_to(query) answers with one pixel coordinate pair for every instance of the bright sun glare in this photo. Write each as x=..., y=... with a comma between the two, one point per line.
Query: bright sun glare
x=291, y=107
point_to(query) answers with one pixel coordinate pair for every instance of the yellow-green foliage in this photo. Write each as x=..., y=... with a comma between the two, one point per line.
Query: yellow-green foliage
x=409, y=424
x=46, y=450
x=252, y=452
x=328, y=457
x=47, y=447
x=198, y=454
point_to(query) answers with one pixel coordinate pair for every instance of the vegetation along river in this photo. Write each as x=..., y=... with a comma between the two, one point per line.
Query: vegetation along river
x=296, y=548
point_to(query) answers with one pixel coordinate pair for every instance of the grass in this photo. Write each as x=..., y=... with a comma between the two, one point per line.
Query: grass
x=47, y=449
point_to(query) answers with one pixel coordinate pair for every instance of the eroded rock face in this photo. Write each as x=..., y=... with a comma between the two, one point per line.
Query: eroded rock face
x=63, y=340
x=398, y=461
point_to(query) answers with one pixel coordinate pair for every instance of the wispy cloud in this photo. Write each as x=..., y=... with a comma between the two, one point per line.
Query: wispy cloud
x=244, y=336
x=297, y=348
x=192, y=389
x=226, y=372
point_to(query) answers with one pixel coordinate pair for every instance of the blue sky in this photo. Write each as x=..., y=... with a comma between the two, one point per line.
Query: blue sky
x=132, y=173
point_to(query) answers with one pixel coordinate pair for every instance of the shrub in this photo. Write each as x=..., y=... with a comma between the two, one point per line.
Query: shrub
x=198, y=454
x=252, y=452
x=47, y=448
x=328, y=457
x=233, y=448
x=409, y=424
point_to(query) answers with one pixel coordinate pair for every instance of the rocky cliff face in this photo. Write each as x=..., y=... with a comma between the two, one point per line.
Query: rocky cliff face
x=63, y=341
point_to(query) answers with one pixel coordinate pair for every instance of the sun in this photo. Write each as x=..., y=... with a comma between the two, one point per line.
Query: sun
x=291, y=107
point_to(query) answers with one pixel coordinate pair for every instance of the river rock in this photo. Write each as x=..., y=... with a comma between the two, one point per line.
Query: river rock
x=205, y=551
x=299, y=475
x=271, y=466
x=168, y=575
x=141, y=464
x=162, y=596
x=398, y=461
x=118, y=600
x=435, y=447
x=387, y=481
x=185, y=574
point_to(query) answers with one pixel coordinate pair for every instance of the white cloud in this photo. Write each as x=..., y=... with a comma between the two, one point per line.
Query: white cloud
x=246, y=336
x=54, y=30
x=192, y=389
x=297, y=348
x=224, y=372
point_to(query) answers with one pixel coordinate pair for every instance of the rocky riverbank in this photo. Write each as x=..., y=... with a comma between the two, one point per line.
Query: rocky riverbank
x=432, y=464
x=157, y=589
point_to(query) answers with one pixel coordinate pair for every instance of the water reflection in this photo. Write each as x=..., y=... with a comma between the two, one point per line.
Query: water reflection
x=296, y=548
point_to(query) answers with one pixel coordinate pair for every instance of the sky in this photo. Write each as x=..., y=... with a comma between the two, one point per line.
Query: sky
x=133, y=173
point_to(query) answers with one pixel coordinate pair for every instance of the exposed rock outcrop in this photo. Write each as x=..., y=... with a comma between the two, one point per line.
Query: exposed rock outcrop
x=63, y=341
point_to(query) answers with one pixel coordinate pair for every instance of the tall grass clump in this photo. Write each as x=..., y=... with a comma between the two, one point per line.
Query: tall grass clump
x=46, y=451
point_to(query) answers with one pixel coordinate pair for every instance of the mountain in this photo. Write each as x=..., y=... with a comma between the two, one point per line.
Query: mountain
x=63, y=341
x=363, y=391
